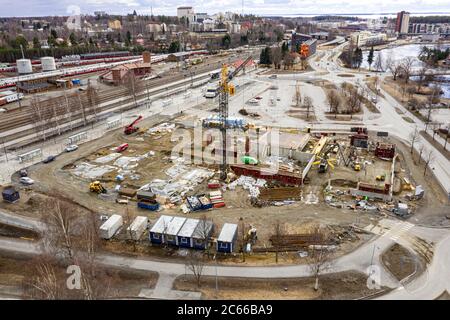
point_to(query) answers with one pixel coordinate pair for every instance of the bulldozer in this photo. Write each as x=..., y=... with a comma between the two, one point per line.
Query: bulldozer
x=381, y=177
x=97, y=187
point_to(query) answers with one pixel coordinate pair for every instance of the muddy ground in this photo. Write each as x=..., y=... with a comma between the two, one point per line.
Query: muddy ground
x=339, y=286
x=18, y=272
x=56, y=176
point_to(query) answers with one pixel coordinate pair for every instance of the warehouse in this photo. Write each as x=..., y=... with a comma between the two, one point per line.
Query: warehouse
x=227, y=238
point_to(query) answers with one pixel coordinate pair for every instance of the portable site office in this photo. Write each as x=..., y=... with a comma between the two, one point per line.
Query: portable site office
x=158, y=231
x=227, y=238
x=195, y=234
x=172, y=230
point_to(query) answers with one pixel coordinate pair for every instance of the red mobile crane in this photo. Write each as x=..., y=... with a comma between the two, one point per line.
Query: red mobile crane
x=129, y=129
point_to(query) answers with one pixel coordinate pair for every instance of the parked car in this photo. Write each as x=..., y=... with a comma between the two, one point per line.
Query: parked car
x=71, y=148
x=23, y=173
x=26, y=180
x=258, y=98
x=273, y=76
x=49, y=159
x=3, y=110
x=122, y=147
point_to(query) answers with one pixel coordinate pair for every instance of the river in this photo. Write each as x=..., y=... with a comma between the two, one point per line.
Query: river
x=401, y=52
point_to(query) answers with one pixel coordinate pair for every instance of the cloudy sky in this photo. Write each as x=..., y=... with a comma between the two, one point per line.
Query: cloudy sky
x=168, y=7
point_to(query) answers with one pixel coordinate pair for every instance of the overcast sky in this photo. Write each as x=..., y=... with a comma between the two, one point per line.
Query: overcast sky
x=10, y=8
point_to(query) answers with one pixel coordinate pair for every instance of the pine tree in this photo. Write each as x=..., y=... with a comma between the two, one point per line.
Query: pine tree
x=370, y=58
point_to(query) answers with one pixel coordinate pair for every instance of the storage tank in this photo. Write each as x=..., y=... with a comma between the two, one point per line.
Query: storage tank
x=24, y=66
x=48, y=64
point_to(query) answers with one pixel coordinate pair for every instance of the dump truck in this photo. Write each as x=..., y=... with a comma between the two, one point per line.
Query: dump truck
x=111, y=226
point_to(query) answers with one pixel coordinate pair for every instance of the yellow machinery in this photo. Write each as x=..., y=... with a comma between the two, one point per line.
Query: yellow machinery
x=97, y=187
x=356, y=166
x=381, y=177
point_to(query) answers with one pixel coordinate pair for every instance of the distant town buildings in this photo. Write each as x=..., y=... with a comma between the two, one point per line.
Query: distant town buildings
x=367, y=38
x=402, y=24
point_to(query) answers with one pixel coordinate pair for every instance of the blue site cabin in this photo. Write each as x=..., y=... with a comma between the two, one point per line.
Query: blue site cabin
x=227, y=238
x=157, y=232
x=186, y=232
x=10, y=195
x=174, y=226
x=202, y=234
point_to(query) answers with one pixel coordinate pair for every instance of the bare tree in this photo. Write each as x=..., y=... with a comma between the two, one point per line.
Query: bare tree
x=44, y=283
x=378, y=64
x=298, y=95
x=320, y=257
x=279, y=231
x=354, y=101
x=394, y=67
x=422, y=77
x=37, y=115
x=406, y=67
x=60, y=219
x=421, y=149
x=413, y=138
x=243, y=238
x=93, y=99
x=131, y=85
x=203, y=232
x=428, y=159
x=129, y=220
x=276, y=57
x=334, y=102
x=308, y=105
x=195, y=263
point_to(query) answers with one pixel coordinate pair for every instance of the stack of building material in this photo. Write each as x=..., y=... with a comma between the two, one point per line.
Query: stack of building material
x=194, y=203
x=205, y=202
x=216, y=199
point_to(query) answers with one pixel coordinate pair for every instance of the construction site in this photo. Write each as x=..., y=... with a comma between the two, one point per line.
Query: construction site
x=224, y=170
x=322, y=188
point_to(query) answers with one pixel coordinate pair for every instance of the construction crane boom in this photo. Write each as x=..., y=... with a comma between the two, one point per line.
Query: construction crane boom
x=226, y=89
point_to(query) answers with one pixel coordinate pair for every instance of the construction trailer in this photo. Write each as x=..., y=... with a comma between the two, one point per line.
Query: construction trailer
x=202, y=234
x=111, y=226
x=10, y=194
x=227, y=238
x=374, y=191
x=158, y=231
x=385, y=150
x=172, y=230
x=137, y=227
x=184, y=236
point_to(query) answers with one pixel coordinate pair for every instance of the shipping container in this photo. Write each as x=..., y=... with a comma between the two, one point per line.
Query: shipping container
x=137, y=227
x=111, y=226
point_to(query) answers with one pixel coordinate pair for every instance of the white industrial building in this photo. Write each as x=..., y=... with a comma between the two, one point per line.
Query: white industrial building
x=364, y=38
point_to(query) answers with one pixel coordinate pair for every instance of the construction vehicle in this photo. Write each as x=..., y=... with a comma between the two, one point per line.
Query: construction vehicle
x=356, y=166
x=129, y=129
x=226, y=89
x=381, y=177
x=97, y=187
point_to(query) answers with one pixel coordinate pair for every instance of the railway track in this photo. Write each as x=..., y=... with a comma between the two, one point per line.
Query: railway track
x=58, y=111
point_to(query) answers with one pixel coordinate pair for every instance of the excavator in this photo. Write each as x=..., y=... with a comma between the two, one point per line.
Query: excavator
x=130, y=129
x=97, y=187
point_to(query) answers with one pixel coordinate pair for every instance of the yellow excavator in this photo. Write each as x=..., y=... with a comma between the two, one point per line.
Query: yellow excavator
x=97, y=187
